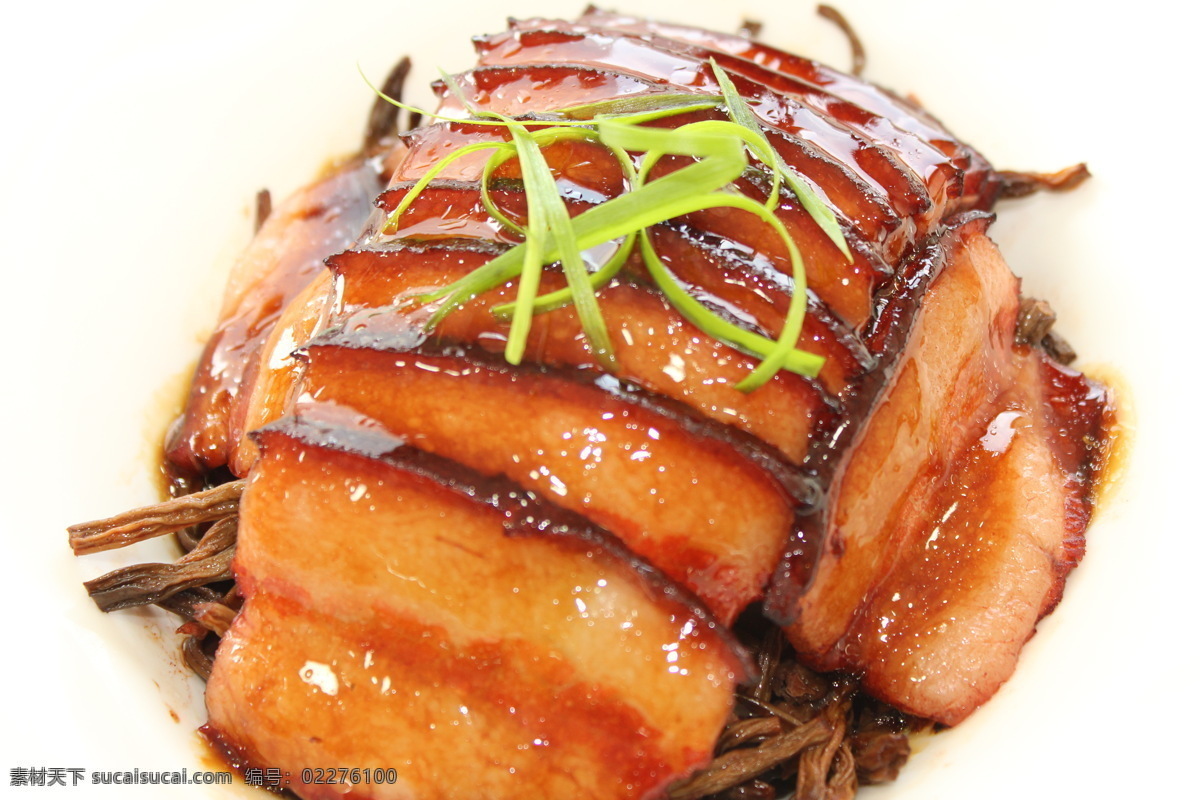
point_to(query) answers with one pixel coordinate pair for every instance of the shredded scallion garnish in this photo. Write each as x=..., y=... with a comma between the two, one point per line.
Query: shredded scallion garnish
x=551, y=235
x=821, y=213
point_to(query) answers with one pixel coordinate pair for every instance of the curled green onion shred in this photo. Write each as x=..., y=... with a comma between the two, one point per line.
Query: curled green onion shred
x=551, y=235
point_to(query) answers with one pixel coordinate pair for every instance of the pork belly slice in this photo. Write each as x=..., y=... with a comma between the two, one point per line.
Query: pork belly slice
x=1003, y=529
x=954, y=512
x=979, y=184
x=452, y=209
x=286, y=255
x=918, y=177
x=518, y=91
x=276, y=378
x=499, y=89
x=864, y=211
x=844, y=287
x=634, y=469
x=755, y=280
x=655, y=347
x=403, y=613
x=585, y=172
x=855, y=184
x=746, y=285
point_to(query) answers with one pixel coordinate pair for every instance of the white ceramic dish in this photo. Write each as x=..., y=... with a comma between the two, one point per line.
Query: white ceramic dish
x=139, y=133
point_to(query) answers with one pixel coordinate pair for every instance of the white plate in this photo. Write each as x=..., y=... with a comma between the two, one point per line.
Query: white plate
x=136, y=135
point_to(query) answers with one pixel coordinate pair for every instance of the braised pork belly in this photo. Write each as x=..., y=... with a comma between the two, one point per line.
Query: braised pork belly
x=511, y=579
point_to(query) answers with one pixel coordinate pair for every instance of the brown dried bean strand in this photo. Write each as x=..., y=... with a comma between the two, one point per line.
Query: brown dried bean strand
x=843, y=779
x=858, y=53
x=738, y=766
x=262, y=208
x=743, y=731
x=144, y=584
x=160, y=519
x=750, y=28
x=879, y=755
x=184, y=603
x=800, y=684
x=220, y=536
x=1035, y=318
x=768, y=655
x=215, y=616
x=783, y=713
x=384, y=116
x=813, y=771
x=147, y=584
x=194, y=656
x=1058, y=348
x=1021, y=184
x=188, y=537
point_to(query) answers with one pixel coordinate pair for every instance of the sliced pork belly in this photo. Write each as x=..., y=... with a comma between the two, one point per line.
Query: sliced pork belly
x=916, y=176
x=910, y=513
x=843, y=287
x=287, y=255
x=654, y=346
x=980, y=184
x=403, y=613
x=277, y=376
x=989, y=546
x=706, y=250
x=866, y=207
x=632, y=469
x=953, y=513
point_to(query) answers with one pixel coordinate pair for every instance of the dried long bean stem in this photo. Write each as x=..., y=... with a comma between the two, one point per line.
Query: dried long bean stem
x=160, y=519
x=197, y=659
x=744, y=731
x=813, y=770
x=1035, y=318
x=738, y=766
x=144, y=584
x=383, y=120
x=1021, y=184
x=217, y=617
x=262, y=208
x=1035, y=326
x=858, y=53
x=843, y=776
x=768, y=661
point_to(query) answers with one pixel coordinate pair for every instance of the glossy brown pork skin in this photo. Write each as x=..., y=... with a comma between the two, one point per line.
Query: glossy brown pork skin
x=957, y=503
x=596, y=450
x=923, y=183
x=285, y=259
x=401, y=613
x=978, y=178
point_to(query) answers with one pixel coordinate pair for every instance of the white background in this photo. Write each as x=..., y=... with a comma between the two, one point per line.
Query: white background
x=135, y=135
